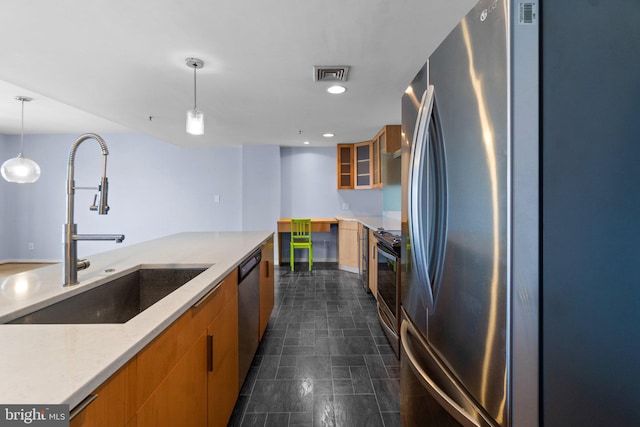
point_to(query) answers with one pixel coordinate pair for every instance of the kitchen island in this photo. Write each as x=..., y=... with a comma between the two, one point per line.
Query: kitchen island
x=54, y=364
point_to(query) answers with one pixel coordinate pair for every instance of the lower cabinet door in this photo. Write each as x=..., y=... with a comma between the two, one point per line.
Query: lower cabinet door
x=110, y=405
x=267, y=300
x=181, y=398
x=223, y=367
x=373, y=265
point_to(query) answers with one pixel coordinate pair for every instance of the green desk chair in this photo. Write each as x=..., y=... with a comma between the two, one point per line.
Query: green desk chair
x=300, y=239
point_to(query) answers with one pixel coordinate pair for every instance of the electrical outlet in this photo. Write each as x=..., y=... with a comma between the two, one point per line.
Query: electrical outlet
x=216, y=198
x=345, y=206
x=30, y=246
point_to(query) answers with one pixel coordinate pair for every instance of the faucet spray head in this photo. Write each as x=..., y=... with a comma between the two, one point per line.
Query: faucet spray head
x=103, y=209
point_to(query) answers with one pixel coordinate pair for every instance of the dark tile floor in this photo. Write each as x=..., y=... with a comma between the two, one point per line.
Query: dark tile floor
x=324, y=360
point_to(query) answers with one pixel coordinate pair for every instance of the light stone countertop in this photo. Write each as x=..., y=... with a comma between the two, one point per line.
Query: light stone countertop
x=52, y=364
x=374, y=222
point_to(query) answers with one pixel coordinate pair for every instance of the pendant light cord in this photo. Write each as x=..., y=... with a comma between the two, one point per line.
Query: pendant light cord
x=22, y=130
x=195, y=103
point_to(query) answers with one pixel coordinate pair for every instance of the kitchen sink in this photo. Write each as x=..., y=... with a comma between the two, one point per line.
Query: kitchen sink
x=116, y=301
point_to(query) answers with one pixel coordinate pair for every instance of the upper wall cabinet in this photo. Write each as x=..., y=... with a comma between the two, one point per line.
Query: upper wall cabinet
x=363, y=165
x=345, y=166
x=390, y=138
x=358, y=165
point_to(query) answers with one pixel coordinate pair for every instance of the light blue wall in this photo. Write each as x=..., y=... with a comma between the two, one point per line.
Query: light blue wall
x=21, y=202
x=260, y=187
x=156, y=189
x=4, y=201
x=309, y=187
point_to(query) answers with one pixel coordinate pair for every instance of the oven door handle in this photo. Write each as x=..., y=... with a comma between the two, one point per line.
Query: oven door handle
x=386, y=253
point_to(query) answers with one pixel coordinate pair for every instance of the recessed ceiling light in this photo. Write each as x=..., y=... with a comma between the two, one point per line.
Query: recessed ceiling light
x=337, y=89
x=328, y=135
x=307, y=143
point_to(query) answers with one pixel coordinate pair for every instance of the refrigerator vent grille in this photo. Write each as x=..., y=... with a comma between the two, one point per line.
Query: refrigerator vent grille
x=333, y=73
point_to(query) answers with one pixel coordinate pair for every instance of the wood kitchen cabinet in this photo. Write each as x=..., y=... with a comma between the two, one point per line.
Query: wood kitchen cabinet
x=222, y=365
x=344, y=166
x=181, y=397
x=359, y=165
x=348, y=246
x=387, y=141
x=354, y=166
x=267, y=297
x=111, y=403
x=390, y=138
x=188, y=375
x=376, y=172
x=373, y=265
x=198, y=387
x=363, y=165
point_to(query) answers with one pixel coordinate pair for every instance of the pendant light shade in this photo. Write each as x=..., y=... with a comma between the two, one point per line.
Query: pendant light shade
x=195, y=117
x=195, y=122
x=21, y=169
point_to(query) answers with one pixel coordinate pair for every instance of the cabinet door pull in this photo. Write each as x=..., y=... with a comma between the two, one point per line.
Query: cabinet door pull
x=82, y=405
x=210, y=353
x=266, y=265
x=203, y=299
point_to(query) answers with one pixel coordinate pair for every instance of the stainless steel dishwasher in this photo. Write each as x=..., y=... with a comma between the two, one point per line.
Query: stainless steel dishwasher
x=248, y=312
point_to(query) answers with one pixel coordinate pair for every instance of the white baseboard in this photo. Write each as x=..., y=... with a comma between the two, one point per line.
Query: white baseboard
x=285, y=261
x=349, y=269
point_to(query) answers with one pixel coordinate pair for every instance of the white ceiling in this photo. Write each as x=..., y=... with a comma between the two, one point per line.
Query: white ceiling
x=107, y=65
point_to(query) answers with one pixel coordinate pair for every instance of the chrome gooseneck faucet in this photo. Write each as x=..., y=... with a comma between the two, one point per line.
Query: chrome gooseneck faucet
x=69, y=235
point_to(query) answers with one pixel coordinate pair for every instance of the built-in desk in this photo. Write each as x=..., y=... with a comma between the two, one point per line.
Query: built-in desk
x=318, y=225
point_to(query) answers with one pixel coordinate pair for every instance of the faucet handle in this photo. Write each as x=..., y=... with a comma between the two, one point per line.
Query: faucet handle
x=94, y=207
x=83, y=264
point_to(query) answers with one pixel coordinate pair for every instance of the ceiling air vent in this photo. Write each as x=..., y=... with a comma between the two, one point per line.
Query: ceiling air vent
x=333, y=73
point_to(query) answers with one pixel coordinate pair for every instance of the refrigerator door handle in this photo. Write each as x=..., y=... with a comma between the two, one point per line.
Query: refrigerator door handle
x=428, y=200
x=416, y=177
x=465, y=417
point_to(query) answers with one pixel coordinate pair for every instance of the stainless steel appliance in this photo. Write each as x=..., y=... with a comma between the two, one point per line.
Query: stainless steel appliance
x=388, y=279
x=363, y=256
x=248, y=312
x=520, y=222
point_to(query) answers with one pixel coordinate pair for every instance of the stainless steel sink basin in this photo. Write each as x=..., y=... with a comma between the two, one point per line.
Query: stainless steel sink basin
x=114, y=302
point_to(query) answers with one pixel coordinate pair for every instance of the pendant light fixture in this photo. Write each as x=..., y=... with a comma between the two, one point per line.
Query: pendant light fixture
x=21, y=169
x=195, y=117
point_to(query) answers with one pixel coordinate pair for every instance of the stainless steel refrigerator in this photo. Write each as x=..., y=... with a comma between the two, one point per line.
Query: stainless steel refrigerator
x=521, y=219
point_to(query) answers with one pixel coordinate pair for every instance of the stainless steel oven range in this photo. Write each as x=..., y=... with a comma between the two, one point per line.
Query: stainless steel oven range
x=389, y=298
